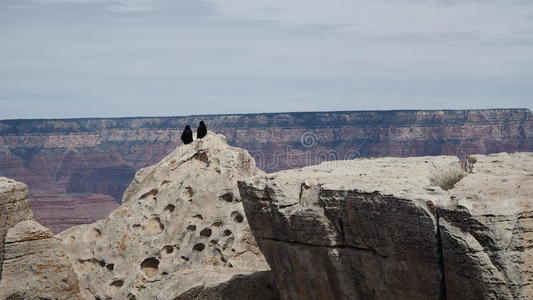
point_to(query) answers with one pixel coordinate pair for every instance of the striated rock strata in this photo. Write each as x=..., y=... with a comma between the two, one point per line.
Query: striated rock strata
x=68, y=159
x=381, y=229
x=181, y=233
x=14, y=207
x=35, y=266
x=62, y=211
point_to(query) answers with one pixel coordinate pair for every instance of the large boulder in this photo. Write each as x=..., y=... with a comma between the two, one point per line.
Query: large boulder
x=398, y=228
x=181, y=230
x=14, y=207
x=35, y=265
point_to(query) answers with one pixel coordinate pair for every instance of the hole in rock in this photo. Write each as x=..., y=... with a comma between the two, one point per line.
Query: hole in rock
x=164, y=182
x=185, y=258
x=164, y=273
x=168, y=249
x=117, y=283
x=150, y=266
x=131, y=296
x=217, y=224
x=154, y=225
x=228, y=197
x=228, y=243
x=213, y=242
x=152, y=192
x=170, y=208
x=92, y=261
x=201, y=156
x=199, y=247
x=191, y=228
x=198, y=216
x=189, y=192
x=110, y=267
x=237, y=217
x=227, y=232
x=206, y=232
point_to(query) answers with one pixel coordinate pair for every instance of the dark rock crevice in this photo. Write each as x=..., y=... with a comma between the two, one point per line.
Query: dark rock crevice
x=334, y=246
x=442, y=287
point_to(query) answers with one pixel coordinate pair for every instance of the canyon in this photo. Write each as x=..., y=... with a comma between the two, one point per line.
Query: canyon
x=206, y=223
x=78, y=169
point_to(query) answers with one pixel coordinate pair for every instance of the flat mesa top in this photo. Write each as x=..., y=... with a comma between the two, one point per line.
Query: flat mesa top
x=498, y=183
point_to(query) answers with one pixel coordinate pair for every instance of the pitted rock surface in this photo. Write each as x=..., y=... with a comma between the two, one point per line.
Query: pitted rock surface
x=379, y=229
x=182, y=214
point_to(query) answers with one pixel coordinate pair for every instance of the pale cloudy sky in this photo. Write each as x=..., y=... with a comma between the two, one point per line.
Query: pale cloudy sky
x=83, y=58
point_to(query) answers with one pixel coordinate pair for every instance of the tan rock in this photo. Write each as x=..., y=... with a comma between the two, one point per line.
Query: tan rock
x=183, y=213
x=379, y=229
x=35, y=266
x=14, y=207
x=210, y=284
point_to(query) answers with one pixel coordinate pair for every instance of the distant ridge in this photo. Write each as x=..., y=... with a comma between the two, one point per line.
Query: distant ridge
x=67, y=162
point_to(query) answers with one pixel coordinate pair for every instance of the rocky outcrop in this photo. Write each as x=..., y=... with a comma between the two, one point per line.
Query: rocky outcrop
x=35, y=265
x=212, y=284
x=181, y=232
x=14, y=207
x=383, y=229
x=61, y=159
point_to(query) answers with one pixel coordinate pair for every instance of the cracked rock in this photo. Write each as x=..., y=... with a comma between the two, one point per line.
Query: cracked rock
x=329, y=232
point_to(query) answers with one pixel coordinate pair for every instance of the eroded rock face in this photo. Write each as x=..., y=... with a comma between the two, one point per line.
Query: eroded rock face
x=180, y=215
x=35, y=265
x=213, y=284
x=378, y=229
x=14, y=207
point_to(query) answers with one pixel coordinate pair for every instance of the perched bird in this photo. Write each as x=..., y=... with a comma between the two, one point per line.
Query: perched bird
x=202, y=130
x=186, y=136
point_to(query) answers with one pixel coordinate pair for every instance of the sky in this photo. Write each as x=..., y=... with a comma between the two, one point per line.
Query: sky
x=117, y=58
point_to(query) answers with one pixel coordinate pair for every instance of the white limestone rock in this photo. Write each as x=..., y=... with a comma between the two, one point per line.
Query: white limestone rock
x=181, y=214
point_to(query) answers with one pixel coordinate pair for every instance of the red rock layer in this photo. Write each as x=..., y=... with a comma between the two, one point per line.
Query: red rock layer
x=62, y=211
x=60, y=158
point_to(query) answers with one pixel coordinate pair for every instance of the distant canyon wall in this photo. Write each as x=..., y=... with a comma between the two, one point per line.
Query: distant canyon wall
x=70, y=161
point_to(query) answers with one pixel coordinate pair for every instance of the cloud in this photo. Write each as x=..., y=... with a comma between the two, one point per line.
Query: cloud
x=112, y=5
x=489, y=19
x=69, y=58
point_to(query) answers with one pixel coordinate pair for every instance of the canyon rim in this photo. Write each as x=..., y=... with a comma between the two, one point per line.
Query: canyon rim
x=78, y=169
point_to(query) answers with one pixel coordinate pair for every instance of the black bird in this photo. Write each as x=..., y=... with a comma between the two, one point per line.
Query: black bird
x=186, y=136
x=202, y=130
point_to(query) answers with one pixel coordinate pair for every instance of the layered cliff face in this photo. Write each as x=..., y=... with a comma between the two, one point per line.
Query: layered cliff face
x=385, y=229
x=181, y=233
x=33, y=265
x=74, y=159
